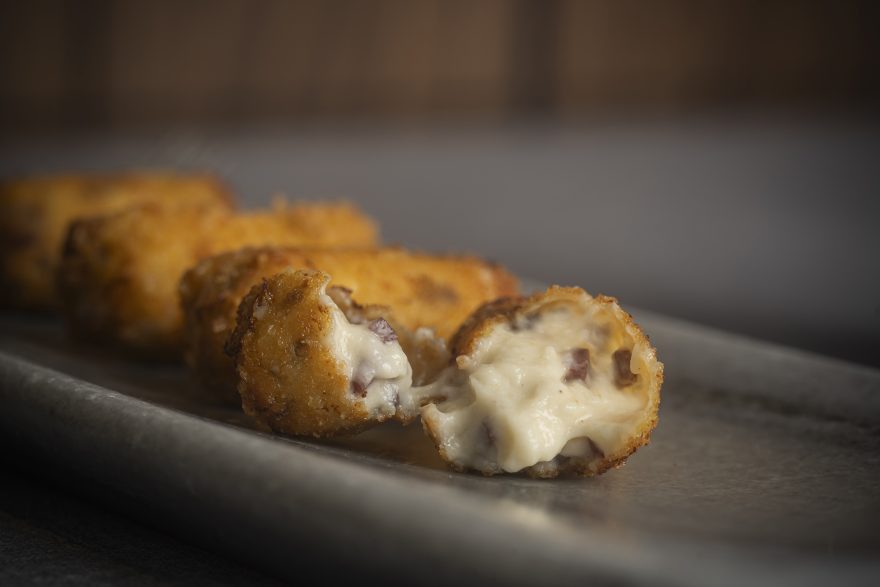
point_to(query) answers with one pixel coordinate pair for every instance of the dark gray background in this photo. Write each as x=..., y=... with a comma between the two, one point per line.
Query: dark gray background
x=50, y=537
x=761, y=226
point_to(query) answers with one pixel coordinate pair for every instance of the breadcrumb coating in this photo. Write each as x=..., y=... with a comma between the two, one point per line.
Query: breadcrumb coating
x=292, y=379
x=422, y=290
x=35, y=213
x=119, y=274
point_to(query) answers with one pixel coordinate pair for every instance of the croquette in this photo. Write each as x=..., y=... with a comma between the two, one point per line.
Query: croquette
x=35, y=213
x=557, y=383
x=423, y=290
x=119, y=273
x=311, y=363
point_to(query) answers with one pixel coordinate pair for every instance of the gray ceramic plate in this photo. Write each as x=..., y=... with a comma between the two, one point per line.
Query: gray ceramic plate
x=764, y=468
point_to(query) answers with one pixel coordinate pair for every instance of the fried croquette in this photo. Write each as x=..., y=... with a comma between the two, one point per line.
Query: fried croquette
x=559, y=382
x=35, y=213
x=424, y=291
x=310, y=366
x=556, y=383
x=119, y=273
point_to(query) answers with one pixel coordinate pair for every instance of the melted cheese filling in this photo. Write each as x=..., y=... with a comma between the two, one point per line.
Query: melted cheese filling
x=513, y=403
x=378, y=370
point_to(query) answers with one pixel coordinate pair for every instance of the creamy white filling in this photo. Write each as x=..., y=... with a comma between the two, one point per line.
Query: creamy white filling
x=513, y=403
x=377, y=369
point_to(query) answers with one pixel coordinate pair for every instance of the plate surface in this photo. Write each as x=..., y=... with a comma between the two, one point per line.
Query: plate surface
x=765, y=468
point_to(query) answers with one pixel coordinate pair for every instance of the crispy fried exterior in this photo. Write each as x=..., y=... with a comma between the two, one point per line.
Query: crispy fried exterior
x=210, y=294
x=289, y=380
x=35, y=214
x=119, y=273
x=481, y=321
x=423, y=290
x=518, y=311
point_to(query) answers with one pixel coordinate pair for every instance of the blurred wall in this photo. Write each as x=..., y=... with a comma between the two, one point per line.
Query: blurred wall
x=104, y=63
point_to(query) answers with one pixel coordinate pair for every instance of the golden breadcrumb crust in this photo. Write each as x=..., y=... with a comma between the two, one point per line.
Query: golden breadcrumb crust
x=289, y=380
x=518, y=311
x=119, y=274
x=423, y=290
x=35, y=213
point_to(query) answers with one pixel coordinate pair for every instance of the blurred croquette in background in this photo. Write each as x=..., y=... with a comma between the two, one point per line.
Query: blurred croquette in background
x=708, y=159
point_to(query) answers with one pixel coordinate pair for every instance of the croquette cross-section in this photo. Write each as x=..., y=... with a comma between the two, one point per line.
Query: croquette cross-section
x=35, y=213
x=309, y=368
x=558, y=383
x=423, y=291
x=119, y=274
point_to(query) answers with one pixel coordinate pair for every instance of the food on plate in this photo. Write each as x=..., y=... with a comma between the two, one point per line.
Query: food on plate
x=560, y=382
x=119, y=273
x=424, y=291
x=296, y=313
x=36, y=211
x=312, y=362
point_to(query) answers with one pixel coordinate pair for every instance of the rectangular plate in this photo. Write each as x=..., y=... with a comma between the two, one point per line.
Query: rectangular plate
x=763, y=469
